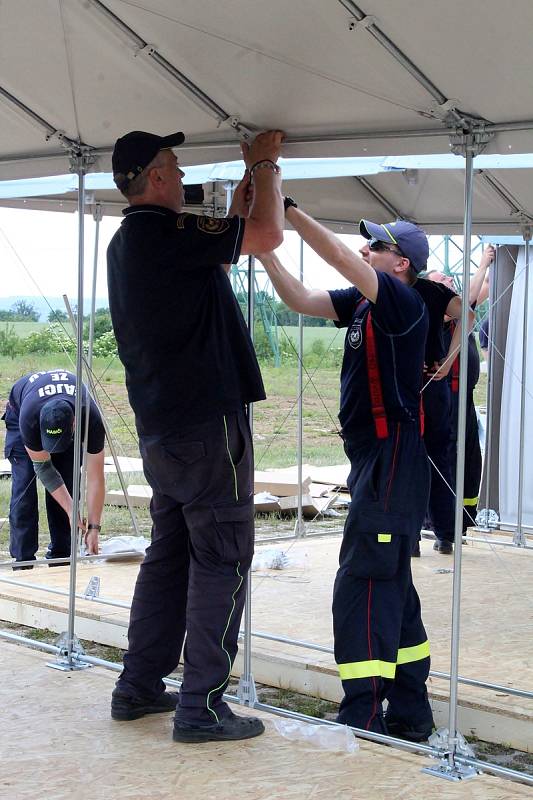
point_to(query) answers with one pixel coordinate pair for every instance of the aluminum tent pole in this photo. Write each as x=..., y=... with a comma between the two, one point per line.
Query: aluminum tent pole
x=89, y=363
x=299, y=528
x=70, y=644
x=519, y=538
x=460, y=468
x=247, y=693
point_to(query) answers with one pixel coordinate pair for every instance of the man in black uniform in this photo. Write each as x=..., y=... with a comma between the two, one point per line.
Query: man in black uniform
x=440, y=301
x=190, y=371
x=381, y=646
x=39, y=419
x=473, y=462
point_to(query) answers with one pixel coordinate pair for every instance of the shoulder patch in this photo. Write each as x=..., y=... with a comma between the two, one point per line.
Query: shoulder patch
x=212, y=224
x=180, y=222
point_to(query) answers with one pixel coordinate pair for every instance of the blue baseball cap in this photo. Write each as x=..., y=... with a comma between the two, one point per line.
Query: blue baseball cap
x=409, y=238
x=55, y=421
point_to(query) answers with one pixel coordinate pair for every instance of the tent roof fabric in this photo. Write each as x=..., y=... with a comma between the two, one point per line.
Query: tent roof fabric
x=89, y=71
x=341, y=191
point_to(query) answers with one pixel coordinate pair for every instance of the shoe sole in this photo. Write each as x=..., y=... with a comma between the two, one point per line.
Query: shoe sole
x=196, y=737
x=130, y=715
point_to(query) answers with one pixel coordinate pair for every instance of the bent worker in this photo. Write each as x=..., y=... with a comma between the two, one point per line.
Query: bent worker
x=190, y=371
x=39, y=443
x=381, y=646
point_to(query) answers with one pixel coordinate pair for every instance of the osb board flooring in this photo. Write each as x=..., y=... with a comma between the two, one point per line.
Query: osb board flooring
x=496, y=617
x=57, y=742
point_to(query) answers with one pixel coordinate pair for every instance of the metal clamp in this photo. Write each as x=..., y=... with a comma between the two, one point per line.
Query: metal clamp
x=364, y=23
x=246, y=133
x=449, y=747
x=473, y=137
x=63, y=663
x=93, y=588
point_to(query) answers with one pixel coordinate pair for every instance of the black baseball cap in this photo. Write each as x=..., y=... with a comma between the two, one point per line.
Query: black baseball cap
x=134, y=151
x=56, y=420
x=409, y=238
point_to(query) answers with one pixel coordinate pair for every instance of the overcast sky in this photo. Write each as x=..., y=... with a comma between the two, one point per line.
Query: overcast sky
x=39, y=255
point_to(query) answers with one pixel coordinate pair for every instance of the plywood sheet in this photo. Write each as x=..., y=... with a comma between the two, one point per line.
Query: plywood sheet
x=57, y=739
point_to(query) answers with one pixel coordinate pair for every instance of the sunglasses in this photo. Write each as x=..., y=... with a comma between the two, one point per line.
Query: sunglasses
x=377, y=246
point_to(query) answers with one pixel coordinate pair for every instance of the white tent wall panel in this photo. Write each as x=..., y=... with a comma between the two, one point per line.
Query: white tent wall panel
x=510, y=422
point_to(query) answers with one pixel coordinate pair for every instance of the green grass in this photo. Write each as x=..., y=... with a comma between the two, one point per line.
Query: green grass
x=23, y=329
x=274, y=426
x=328, y=335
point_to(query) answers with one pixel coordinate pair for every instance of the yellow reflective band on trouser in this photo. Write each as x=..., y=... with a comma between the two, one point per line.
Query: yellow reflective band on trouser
x=383, y=669
x=416, y=653
x=384, y=537
x=470, y=501
x=367, y=669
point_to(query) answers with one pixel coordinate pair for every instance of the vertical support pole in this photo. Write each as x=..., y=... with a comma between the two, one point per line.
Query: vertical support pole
x=89, y=363
x=461, y=430
x=519, y=538
x=299, y=528
x=80, y=163
x=247, y=693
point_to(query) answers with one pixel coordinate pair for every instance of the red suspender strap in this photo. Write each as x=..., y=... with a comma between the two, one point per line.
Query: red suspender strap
x=374, y=382
x=455, y=367
x=421, y=415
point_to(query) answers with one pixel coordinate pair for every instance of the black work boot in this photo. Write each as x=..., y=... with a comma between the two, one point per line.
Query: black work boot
x=126, y=708
x=443, y=546
x=411, y=733
x=230, y=727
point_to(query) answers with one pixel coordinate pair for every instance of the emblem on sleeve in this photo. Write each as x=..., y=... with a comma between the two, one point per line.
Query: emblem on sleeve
x=355, y=334
x=180, y=222
x=212, y=224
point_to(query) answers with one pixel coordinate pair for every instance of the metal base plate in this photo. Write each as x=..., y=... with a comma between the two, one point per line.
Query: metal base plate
x=64, y=666
x=458, y=772
x=246, y=692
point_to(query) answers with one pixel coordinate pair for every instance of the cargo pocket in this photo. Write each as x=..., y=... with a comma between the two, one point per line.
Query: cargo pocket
x=235, y=527
x=375, y=555
x=375, y=542
x=183, y=453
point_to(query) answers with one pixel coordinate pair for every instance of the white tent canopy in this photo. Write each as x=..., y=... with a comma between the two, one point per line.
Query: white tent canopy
x=389, y=78
x=426, y=189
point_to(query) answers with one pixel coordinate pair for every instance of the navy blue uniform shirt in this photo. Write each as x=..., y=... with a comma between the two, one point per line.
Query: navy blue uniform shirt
x=400, y=324
x=31, y=392
x=437, y=297
x=180, y=332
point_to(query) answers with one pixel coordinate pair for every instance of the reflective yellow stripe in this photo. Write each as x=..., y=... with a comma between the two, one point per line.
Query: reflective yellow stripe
x=389, y=234
x=470, y=501
x=384, y=537
x=367, y=669
x=416, y=653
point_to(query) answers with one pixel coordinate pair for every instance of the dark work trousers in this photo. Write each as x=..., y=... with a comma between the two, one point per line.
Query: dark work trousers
x=437, y=438
x=473, y=463
x=381, y=646
x=193, y=576
x=23, y=507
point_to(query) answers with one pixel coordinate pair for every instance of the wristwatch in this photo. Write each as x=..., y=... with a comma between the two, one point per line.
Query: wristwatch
x=288, y=202
x=93, y=527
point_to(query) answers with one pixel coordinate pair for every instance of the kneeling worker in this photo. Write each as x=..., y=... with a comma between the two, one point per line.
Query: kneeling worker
x=381, y=646
x=39, y=419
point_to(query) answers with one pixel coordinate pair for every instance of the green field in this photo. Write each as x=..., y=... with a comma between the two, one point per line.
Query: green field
x=275, y=422
x=330, y=336
x=23, y=329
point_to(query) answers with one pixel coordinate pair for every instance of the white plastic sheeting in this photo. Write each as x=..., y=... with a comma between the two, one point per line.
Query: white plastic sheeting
x=510, y=406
